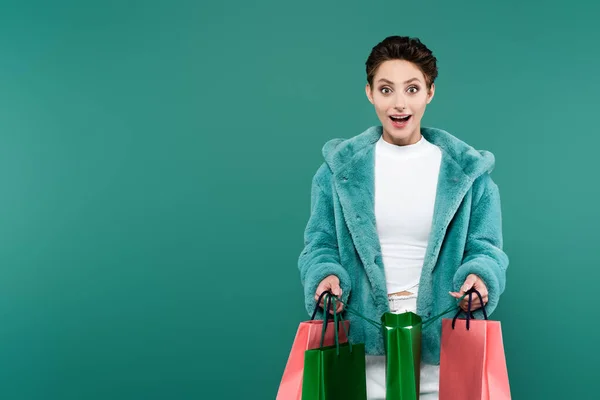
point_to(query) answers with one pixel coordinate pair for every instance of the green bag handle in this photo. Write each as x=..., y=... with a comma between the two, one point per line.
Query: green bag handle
x=353, y=311
x=449, y=309
x=423, y=324
x=330, y=298
x=326, y=317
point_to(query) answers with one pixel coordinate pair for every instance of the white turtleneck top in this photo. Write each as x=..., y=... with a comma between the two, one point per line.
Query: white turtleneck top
x=406, y=180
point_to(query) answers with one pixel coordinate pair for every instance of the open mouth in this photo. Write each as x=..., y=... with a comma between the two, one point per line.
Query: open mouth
x=399, y=119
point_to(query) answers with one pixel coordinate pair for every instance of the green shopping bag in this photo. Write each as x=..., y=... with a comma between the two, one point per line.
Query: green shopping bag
x=334, y=372
x=402, y=344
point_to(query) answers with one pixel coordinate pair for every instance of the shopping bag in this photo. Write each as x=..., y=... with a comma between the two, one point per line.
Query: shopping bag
x=402, y=344
x=335, y=372
x=472, y=359
x=308, y=336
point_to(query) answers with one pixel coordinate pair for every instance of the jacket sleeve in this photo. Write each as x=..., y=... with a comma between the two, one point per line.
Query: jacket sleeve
x=484, y=255
x=320, y=256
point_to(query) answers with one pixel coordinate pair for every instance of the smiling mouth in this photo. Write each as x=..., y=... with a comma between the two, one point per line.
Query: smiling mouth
x=400, y=119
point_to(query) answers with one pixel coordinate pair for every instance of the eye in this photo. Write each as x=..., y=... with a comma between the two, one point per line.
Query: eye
x=413, y=89
x=383, y=90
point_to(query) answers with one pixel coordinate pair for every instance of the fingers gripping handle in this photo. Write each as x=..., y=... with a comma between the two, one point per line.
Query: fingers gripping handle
x=469, y=308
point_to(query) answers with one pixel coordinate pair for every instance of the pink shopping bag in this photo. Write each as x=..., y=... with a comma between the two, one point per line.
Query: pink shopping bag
x=472, y=359
x=308, y=336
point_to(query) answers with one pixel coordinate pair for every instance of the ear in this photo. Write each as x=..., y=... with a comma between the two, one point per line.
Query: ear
x=431, y=93
x=369, y=93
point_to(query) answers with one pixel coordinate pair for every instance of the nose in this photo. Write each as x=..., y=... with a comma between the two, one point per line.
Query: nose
x=400, y=102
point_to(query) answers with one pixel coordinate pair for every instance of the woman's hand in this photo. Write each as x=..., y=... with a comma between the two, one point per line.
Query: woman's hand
x=472, y=282
x=332, y=284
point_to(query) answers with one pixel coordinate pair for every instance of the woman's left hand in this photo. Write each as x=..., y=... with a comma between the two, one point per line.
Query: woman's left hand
x=472, y=282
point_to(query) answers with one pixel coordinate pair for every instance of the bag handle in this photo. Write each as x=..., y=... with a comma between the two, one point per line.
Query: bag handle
x=318, y=304
x=335, y=315
x=353, y=311
x=325, y=318
x=429, y=321
x=424, y=323
x=330, y=298
x=469, y=312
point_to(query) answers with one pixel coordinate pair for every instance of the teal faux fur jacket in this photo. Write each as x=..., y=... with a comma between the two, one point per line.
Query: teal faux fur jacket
x=341, y=237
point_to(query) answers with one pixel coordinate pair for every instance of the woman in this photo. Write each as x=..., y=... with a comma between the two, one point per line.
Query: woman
x=403, y=217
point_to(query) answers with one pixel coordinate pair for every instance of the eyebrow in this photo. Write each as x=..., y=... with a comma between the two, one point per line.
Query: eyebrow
x=405, y=82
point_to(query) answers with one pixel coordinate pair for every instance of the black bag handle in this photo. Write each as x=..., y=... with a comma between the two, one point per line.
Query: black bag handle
x=469, y=311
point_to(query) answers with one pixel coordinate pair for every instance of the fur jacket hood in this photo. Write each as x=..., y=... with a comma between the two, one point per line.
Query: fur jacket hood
x=338, y=152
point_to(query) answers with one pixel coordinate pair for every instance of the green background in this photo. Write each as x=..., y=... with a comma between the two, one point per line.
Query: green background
x=155, y=168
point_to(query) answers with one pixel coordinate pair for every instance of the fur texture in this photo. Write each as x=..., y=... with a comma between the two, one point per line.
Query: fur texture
x=341, y=236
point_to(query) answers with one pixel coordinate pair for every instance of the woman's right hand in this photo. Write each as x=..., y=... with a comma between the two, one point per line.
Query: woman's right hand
x=332, y=284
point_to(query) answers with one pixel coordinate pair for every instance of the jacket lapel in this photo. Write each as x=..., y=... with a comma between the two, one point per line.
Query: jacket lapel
x=355, y=185
x=452, y=186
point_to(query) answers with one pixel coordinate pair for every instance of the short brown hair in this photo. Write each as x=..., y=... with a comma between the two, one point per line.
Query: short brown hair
x=402, y=48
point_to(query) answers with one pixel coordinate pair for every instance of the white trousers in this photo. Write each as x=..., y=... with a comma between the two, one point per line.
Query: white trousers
x=375, y=365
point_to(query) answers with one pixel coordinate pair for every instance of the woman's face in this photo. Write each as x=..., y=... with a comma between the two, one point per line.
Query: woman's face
x=400, y=96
